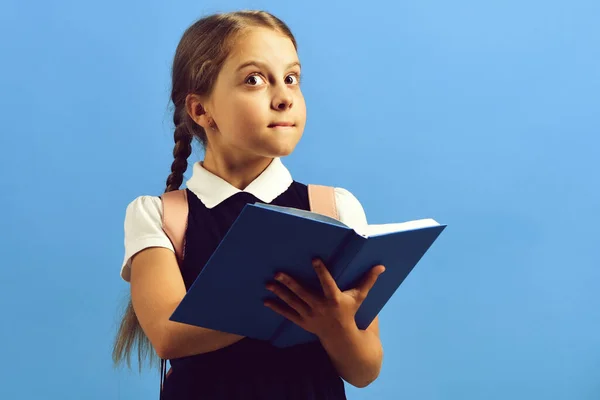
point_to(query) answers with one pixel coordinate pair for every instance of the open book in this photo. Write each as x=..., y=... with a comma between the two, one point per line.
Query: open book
x=265, y=239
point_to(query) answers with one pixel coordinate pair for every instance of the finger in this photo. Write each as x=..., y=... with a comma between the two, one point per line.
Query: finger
x=330, y=288
x=289, y=298
x=284, y=311
x=297, y=289
x=368, y=281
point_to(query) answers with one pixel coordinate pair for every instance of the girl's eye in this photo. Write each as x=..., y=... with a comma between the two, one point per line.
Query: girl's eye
x=255, y=80
x=292, y=79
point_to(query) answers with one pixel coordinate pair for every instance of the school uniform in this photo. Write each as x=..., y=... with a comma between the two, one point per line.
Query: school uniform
x=248, y=369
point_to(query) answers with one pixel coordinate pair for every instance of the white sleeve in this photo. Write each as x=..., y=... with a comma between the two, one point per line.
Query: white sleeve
x=143, y=229
x=350, y=210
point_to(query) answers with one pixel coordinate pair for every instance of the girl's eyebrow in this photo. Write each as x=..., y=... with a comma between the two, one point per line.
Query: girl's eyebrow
x=264, y=66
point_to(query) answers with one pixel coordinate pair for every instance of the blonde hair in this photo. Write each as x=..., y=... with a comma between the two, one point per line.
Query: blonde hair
x=199, y=57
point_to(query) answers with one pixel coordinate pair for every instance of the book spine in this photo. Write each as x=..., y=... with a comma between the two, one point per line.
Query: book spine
x=337, y=263
x=344, y=254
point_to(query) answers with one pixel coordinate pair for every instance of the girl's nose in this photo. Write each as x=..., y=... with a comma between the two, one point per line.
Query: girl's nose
x=282, y=101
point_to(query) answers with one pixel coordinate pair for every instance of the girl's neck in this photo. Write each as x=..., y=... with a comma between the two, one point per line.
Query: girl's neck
x=239, y=172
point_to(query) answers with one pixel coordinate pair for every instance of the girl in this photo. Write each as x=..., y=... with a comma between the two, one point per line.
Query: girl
x=235, y=88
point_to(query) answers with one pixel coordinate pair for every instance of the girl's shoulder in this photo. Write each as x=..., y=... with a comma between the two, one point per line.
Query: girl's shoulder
x=143, y=228
x=144, y=208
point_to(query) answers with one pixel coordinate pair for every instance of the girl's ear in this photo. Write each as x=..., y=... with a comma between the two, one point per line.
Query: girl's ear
x=194, y=105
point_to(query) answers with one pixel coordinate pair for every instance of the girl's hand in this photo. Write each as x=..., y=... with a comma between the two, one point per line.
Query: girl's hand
x=323, y=315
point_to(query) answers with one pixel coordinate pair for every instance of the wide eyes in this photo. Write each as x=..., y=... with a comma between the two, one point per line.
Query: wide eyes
x=257, y=80
x=292, y=79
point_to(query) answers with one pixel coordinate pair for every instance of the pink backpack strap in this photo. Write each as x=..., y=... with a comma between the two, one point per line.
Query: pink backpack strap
x=322, y=200
x=174, y=219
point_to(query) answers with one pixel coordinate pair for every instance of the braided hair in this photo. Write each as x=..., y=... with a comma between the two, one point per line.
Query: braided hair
x=199, y=57
x=181, y=152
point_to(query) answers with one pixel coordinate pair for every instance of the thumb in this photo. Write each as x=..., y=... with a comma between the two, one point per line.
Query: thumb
x=367, y=282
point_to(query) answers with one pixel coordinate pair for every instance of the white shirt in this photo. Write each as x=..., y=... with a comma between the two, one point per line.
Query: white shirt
x=143, y=217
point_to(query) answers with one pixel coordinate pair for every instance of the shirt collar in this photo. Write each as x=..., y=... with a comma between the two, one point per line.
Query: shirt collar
x=212, y=190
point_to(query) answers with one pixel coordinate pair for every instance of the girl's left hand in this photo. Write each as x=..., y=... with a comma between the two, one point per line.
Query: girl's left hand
x=323, y=315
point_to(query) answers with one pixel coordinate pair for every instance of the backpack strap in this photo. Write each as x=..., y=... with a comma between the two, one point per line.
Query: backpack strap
x=322, y=200
x=174, y=219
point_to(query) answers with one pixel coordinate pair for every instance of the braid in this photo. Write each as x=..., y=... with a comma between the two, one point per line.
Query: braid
x=182, y=150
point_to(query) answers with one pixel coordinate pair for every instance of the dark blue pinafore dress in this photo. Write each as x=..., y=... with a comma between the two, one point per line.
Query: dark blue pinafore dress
x=249, y=369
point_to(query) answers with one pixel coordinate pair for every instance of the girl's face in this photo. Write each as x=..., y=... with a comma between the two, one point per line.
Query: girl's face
x=256, y=103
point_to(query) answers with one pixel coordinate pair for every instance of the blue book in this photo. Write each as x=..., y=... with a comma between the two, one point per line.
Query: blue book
x=228, y=293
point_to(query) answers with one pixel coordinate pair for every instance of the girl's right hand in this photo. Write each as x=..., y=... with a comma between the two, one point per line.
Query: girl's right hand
x=329, y=314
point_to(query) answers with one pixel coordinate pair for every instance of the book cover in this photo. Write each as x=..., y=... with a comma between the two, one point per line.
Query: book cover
x=228, y=293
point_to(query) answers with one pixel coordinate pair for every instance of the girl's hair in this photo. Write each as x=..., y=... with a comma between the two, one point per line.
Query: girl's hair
x=199, y=57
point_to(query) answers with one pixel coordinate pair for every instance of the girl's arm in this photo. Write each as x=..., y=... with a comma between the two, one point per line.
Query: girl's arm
x=356, y=354
x=157, y=288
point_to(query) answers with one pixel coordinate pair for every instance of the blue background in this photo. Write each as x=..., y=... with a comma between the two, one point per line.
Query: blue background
x=480, y=114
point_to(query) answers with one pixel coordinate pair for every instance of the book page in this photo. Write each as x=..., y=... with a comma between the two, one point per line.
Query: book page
x=382, y=229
